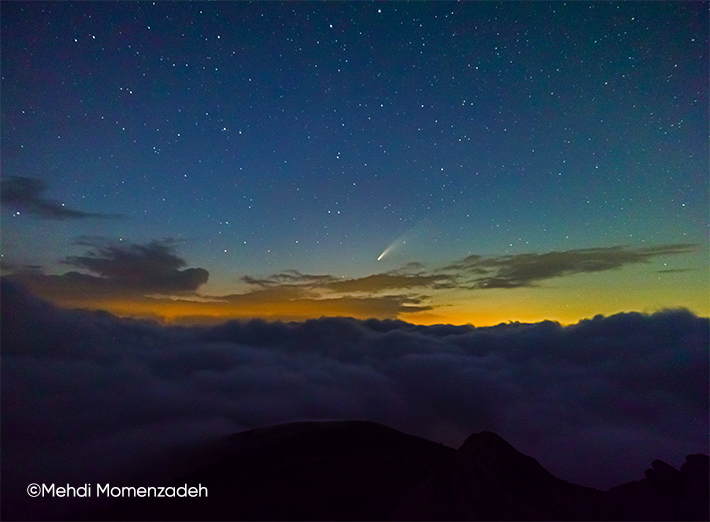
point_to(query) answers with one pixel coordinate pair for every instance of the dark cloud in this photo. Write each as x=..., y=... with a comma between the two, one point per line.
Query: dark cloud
x=149, y=280
x=26, y=194
x=290, y=277
x=476, y=272
x=5, y=266
x=87, y=396
x=525, y=270
x=383, y=282
x=285, y=302
x=298, y=303
x=370, y=284
x=375, y=283
x=317, y=295
x=152, y=267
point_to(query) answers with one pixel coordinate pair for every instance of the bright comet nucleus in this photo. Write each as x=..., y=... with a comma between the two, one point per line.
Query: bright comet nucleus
x=386, y=251
x=412, y=233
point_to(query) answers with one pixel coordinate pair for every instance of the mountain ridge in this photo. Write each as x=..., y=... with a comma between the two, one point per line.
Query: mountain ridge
x=361, y=470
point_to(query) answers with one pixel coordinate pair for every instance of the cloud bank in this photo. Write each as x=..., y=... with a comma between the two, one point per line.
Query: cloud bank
x=87, y=396
x=150, y=280
x=26, y=194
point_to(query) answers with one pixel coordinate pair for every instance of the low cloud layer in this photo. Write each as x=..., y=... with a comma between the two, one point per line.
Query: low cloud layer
x=87, y=396
x=26, y=194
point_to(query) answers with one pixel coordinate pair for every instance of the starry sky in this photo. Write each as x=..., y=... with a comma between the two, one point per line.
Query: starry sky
x=433, y=162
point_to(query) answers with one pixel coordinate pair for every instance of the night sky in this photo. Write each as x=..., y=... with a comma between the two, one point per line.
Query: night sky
x=371, y=189
x=202, y=161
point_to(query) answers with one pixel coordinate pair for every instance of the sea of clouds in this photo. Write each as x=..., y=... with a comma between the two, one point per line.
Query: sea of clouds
x=89, y=397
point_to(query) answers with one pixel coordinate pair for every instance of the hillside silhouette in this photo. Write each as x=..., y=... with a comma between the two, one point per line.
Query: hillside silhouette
x=361, y=470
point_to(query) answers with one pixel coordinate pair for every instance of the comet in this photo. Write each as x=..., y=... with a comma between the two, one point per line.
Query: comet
x=402, y=239
x=389, y=248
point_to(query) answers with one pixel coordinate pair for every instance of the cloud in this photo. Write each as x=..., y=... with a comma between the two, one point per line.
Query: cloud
x=292, y=303
x=384, y=282
x=123, y=278
x=477, y=272
x=290, y=277
x=26, y=194
x=5, y=266
x=89, y=397
x=526, y=270
x=152, y=267
x=149, y=280
x=370, y=284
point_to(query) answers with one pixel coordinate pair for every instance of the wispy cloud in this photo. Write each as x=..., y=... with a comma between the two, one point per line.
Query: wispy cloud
x=526, y=270
x=150, y=280
x=477, y=272
x=290, y=277
x=26, y=194
x=385, y=282
x=370, y=284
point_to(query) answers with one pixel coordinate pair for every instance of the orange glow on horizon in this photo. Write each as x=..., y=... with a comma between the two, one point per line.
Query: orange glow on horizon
x=198, y=312
x=566, y=301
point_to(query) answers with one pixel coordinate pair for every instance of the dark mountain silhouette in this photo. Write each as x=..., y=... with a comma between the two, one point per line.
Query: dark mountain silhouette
x=665, y=493
x=358, y=470
x=488, y=479
x=347, y=470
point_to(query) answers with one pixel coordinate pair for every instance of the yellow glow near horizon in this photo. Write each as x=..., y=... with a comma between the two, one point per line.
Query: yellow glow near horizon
x=418, y=298
x=566, y=304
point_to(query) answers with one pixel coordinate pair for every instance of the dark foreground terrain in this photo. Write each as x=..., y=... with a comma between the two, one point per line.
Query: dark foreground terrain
x=357, y=470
